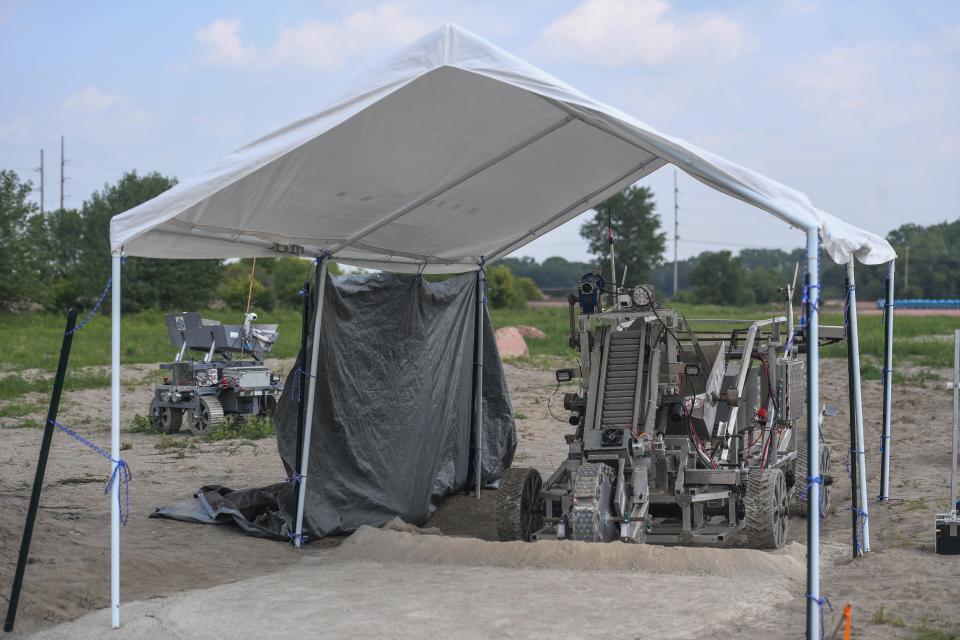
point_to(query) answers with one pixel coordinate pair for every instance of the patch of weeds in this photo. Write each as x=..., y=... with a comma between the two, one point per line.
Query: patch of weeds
x=124, y=446
x=520, y=455
x=13, y=385
x=870, y=371
x=925, y=632
x=920, y=504
x=880, y=617
x=19, y=409
x=29, y=423
x=922, y=377
x=519, y=415
x=171, y=442
x=247, y=428
x=140, y=424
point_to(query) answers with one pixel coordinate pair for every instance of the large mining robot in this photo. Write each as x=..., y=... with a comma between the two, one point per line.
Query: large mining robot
x=686, y=432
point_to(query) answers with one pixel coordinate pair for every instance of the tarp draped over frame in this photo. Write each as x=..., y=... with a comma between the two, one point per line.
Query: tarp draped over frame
x=392, y=417
x=452, y=152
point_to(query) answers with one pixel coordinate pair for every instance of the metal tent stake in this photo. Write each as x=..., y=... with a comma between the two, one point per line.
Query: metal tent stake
x=311, y=380
x=41, y=470
x=887, y=385
x=858, y=464
x=478, y=378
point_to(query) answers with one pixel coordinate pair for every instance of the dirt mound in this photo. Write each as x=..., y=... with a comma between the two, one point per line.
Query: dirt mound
x=396, y=546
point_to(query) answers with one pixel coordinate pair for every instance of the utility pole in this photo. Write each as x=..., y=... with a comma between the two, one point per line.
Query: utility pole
x=63, y=163
x=41, y=182
x=906, y=269
x=676, y=231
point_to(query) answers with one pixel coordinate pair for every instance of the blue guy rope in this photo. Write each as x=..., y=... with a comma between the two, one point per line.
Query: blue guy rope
x=96, y=307
x=820, y=603
x=121, y=470
x=803, y=496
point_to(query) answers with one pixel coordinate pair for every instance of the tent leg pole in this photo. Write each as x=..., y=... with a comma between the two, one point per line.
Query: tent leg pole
x=115, y=443
x=954, y=507
x=813, y=434
x=478, y=380
x=311, y=396
x=887, y=385
x=856, y=399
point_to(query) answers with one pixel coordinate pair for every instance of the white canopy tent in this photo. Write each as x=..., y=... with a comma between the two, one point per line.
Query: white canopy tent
x=447, y=157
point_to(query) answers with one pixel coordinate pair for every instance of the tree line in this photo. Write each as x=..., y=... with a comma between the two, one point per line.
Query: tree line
x=61, y=258
x=928, y=265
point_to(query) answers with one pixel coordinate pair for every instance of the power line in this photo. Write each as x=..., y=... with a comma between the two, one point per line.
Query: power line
x=676, y=231
x=40, y=169
x=63, y=163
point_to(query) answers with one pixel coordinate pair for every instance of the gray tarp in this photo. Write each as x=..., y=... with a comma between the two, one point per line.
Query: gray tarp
x=392, y=426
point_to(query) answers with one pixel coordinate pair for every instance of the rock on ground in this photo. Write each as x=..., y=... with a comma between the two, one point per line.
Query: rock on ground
x=511, y=344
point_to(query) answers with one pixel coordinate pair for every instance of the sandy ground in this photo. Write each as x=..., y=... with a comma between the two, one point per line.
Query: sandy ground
x=383, y=588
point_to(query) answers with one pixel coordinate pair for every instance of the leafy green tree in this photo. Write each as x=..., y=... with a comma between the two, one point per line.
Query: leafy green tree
x=719, y=278
x=639, y=243
x=552, y=273
x=528, y=289
x=502, y=289
x=23, y=258
x=277, y=282
x=147, y=283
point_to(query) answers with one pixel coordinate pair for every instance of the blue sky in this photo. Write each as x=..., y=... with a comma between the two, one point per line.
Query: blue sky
x=855, y=103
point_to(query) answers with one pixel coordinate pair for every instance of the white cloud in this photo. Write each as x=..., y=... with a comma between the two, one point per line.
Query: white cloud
x=314, y=44
x=16, y=130
x=92, y=99
x=802, y=7
x=92, y=111
x=221, y=43
x=621, y=32
x=835, y=80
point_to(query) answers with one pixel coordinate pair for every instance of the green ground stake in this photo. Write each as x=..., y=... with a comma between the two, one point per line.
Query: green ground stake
x=41, y=469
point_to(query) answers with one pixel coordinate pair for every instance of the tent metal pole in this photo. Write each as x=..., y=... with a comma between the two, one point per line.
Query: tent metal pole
x=887, y=384
x=954, y=508
x=311, y=397
x=813, y=434
x=478, y=378
x=115, y=443
x=856, y=401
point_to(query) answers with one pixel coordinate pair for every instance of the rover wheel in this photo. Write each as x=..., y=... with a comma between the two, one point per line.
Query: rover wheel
x=165, y=419
x=766, y=509
x=592, y=513
x=798, y=500
x=519, y=507
x=208, y=418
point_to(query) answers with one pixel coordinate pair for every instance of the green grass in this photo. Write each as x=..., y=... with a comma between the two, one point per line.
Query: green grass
x=20, y=409
x=248, y=428
x=14, y=385
x=908, y=332
x=33, y=341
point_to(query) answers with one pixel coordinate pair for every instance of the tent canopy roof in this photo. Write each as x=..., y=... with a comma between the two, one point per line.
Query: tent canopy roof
x=452, y=152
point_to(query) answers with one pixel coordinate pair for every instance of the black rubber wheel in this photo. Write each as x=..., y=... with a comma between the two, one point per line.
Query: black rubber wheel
x=519, y=505
x=165, y=419
x=767, y=514
x=209, y=418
